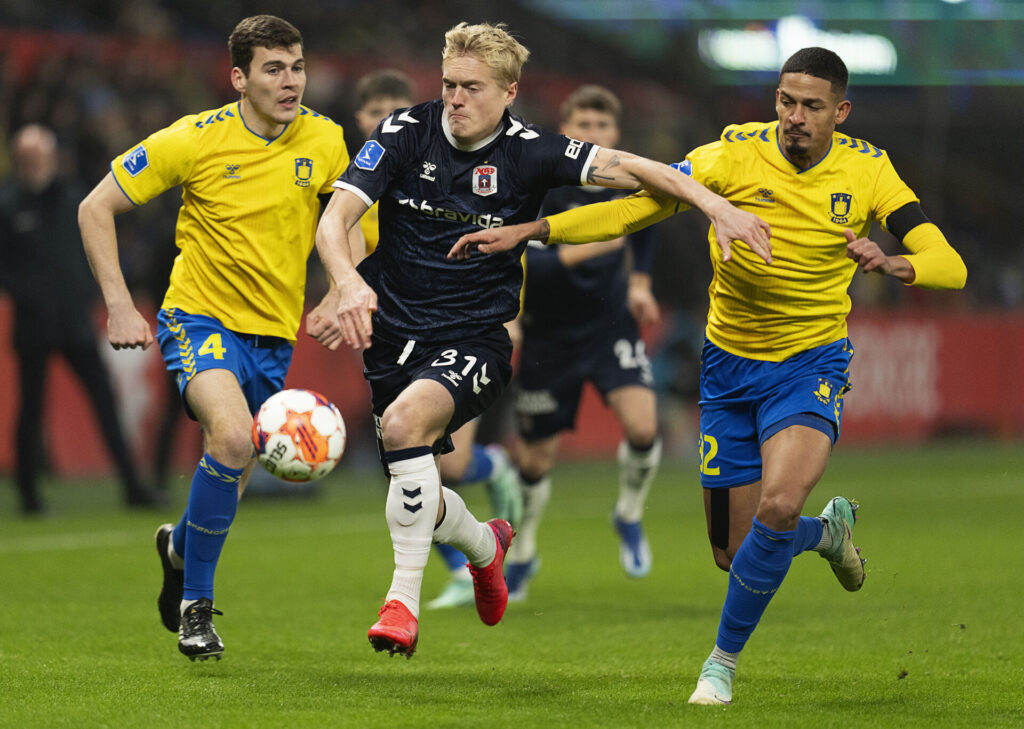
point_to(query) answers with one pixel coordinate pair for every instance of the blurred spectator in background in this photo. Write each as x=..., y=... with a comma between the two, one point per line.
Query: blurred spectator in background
x=44, y=268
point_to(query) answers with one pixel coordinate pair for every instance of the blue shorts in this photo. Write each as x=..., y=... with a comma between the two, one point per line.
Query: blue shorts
x=192, y=343
x=743, y=402
x=552, y=373
x=475, y=371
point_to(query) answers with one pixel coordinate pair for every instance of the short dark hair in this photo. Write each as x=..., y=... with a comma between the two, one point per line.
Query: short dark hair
x=594, y=97
x=820, y=63
x=260, y=31
x=387, y=83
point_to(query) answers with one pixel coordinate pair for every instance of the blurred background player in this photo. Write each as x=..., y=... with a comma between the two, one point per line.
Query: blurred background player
x=581, y=319
x=45, y=270
x=378, y=95
x=776, y=359
x=230, y=316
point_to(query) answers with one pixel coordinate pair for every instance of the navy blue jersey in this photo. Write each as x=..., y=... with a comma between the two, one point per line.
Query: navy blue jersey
x=580, y=300
x=431, y=192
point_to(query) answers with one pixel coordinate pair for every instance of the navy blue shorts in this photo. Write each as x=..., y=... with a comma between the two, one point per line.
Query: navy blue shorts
x=743, y=402
x=475, y=372
x=552, y=372
x=192, y=343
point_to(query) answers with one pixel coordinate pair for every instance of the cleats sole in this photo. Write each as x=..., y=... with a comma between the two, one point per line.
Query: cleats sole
x=384, y=643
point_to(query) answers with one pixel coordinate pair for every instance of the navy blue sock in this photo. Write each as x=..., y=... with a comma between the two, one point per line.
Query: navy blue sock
x=757, y=571
x=455, y=559
x=480, y=466
x=212, y=503
x=808, y=534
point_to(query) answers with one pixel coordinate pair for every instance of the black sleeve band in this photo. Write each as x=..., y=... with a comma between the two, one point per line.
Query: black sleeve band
x=904, y=220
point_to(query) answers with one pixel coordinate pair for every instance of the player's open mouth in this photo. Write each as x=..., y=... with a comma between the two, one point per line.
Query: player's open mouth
x=289, y=102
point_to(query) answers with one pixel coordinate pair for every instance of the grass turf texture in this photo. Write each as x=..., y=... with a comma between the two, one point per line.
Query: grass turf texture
x=932, y=640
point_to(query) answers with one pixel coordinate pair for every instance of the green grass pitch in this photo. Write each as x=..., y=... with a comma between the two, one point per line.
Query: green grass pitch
x=933, y=639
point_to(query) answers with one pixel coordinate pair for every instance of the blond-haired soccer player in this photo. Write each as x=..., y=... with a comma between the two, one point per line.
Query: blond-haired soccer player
x=775, y=364
x=440, y=353
x=251, y=172
x=379, y=94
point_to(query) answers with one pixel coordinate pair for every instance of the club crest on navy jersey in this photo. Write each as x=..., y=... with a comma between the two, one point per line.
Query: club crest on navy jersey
x=485, y=180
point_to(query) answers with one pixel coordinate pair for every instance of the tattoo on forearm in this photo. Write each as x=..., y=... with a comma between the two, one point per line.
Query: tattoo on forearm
x=593, y=172
x=545, y=230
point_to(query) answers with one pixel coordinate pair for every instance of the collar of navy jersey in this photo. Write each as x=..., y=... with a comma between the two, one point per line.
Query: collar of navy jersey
x=470, y=147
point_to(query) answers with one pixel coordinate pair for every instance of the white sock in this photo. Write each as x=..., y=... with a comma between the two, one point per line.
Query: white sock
x=460, y=529
x=826, y=537
x=184, y=605
x=636, y=474
x=411, y=511
x=535, y=501
x=726, y=659
x=177, y=562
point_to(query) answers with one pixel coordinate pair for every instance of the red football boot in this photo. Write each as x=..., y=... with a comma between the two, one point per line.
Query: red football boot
x=397, y=630
x=488, y=582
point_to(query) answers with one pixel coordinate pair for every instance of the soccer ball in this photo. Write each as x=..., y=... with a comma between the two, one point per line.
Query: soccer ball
x=299, y=435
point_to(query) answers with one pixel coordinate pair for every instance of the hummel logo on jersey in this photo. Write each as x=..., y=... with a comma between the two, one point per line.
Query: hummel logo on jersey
x=453, y=377
x=231, y=172
x=136, y=161
x=765, y=195
x=369, y=156
x=428, y=171
x=485, y=180
x=484, y=221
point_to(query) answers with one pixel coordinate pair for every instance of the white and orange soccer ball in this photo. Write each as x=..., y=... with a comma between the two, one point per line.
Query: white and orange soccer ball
x=299, y=435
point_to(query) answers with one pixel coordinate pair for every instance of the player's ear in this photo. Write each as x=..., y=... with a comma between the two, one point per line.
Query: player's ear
x=239, y=80
x=843, y=111
x=510, y=92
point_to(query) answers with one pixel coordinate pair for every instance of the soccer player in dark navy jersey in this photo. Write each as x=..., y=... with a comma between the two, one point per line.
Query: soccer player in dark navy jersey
x=437, y=353
x=580, y=321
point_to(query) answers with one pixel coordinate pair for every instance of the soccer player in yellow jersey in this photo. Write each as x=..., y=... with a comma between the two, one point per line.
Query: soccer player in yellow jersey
x=251, y=173
x=775, y=364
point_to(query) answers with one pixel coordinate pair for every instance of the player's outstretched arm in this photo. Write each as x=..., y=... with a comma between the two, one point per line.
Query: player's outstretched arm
x=495, y=240
x=931, y=264
x=614, y=168
x=355, y=300
x=126, y=327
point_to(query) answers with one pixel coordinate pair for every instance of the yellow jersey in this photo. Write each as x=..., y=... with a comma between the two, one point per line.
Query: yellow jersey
x=248, y=214
x=370, y=225
x=799, y=301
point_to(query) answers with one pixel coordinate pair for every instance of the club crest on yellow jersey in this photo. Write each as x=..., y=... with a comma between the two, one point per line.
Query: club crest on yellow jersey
x=841, y=207
x=303, y=171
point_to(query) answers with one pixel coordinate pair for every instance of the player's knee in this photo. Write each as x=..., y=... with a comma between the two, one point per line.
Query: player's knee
x=641, y=436
x=231, y=446
x=780, y=512
x=534, y=464
x=401, y=427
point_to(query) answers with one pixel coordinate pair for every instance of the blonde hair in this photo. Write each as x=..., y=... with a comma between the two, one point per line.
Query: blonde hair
x=492, y=45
